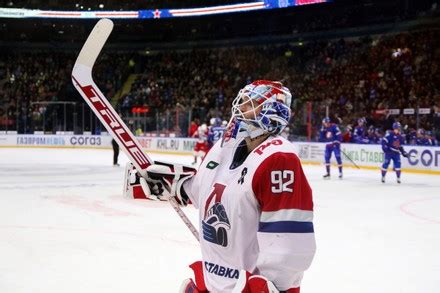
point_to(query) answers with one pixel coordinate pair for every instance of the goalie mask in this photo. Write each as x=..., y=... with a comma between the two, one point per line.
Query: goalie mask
x=259, y=108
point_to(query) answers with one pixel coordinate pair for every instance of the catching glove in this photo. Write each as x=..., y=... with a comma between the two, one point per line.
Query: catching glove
x=139, y=187
x=171, y=178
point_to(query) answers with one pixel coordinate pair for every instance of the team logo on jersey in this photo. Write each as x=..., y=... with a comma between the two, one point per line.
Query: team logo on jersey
x=216, y=223
x=243, y=173
x=211, y=165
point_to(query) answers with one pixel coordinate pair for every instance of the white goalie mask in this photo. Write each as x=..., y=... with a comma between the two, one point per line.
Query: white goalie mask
x=260, y=107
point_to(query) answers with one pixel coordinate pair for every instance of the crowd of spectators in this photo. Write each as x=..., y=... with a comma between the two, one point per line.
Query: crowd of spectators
x=367, y=77
x=349, y=79
x=346, y=78
x=33, y=87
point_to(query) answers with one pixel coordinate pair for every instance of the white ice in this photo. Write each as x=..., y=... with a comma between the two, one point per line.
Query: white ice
x=65, y=227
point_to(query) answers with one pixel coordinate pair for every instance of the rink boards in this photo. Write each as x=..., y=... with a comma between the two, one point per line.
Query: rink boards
x=370, y=156
x=422, y=159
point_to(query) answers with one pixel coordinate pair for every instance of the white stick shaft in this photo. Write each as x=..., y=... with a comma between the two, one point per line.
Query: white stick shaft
x=184, y=218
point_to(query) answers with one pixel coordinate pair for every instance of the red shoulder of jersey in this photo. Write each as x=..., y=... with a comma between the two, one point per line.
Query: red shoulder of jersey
x=279, y=183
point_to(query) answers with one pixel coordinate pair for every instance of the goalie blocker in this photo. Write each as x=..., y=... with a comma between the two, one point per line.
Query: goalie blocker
x=163, y=180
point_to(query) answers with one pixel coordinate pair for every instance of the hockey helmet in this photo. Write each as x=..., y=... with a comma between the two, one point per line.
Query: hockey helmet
x=326, y=120
x=397, y=125
x=215, y=121
x=203, y=127
x=268, y=108
x=361, y=121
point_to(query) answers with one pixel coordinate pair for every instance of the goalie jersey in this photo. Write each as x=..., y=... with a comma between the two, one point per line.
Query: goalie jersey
x=255, y=215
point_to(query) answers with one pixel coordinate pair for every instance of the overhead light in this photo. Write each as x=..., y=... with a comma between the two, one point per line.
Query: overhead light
x=101, y=6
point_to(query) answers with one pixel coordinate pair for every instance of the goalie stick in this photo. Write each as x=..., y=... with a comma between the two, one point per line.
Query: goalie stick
x=83, y=81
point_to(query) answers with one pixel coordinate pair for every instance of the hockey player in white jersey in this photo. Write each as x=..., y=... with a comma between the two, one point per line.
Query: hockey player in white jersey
x=201, y=146
x=255, y=203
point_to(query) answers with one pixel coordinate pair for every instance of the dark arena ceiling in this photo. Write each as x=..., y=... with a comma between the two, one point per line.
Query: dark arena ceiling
x=338, y=14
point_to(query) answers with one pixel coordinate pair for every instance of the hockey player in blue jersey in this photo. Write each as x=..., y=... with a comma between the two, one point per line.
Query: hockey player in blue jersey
x=360, y=132
x=331, y=134
x=392, y=148
x=374, y=136
x=215, y=131
x=423, y=138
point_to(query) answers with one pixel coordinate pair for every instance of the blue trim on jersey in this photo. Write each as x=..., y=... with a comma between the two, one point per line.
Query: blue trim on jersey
x=286, y=227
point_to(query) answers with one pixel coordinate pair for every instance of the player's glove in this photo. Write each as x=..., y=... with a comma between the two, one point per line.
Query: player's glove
x=402, y=151
x=137, y=186
x=171, y=177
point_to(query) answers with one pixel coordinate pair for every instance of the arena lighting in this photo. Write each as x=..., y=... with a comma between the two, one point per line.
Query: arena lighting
x=101, y=6
x=154, y=13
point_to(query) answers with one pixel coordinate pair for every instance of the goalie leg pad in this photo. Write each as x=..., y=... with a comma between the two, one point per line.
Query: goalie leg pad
x=248, y=283
x=189, y=286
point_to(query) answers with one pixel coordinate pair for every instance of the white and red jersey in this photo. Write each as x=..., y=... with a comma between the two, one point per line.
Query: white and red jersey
x=201, y=134
x=202, y=139
x=257, y=216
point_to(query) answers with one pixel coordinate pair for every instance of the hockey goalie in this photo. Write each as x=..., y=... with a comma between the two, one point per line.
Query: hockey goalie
x=255, y=203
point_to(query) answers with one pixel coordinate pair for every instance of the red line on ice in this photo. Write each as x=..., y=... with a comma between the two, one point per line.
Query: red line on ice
x=403, y=208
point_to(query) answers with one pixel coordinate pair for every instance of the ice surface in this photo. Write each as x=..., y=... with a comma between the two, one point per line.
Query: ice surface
x=65, y=227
